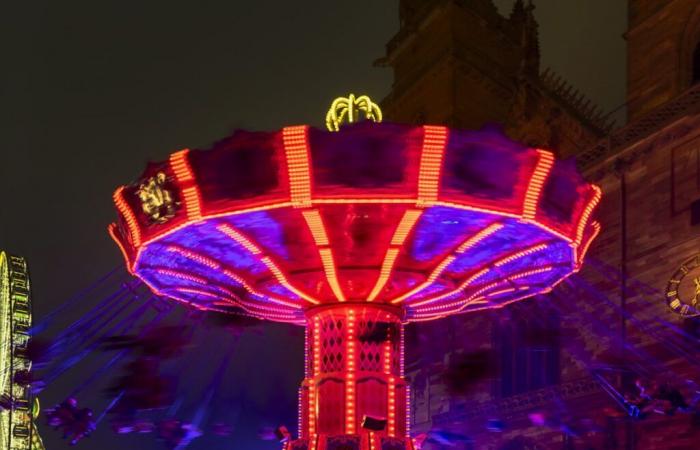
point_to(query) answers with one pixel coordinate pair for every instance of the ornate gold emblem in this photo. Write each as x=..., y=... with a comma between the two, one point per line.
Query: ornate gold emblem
x=349, y=108
x=157, y=201
x=683, y=289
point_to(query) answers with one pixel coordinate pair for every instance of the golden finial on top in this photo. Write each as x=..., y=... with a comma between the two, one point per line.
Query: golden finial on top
x=349, y=108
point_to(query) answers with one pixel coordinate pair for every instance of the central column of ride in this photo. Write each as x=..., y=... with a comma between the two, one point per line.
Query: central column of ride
x=354, y=374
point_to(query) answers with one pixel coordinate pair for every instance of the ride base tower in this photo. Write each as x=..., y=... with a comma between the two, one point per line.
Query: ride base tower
x=353, y=233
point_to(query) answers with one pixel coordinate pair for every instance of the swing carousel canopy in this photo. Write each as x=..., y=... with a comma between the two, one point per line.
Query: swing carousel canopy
x=427, y=219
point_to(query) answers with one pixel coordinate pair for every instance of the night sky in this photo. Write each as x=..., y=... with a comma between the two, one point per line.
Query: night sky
x=91, y=91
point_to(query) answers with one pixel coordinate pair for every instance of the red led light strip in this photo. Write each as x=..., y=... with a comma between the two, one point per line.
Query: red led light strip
x=247, y=286
x=587, y=211
x=158, y=292
x=195, y=291
x=440, y=268
x=386, y=356
x=537, y=180
x=229, y=295
x=307, y=371
x=316, y=354
x=164, y=234
x=350, y=399
x=389, y=259
x=171, y=292
x=196, y=257
x=318, y=231
x=402, y=355
x=480, y=236
x=530, y=293
x=249, y=245
x=316, y=348
x=429, y=281
x=364, y=200
x=306, y=352
x=408, y=409
x=391, y=385
x=112, y=230
x=264, y=312
x=215, y=265
x=331, y=275
x=584, y=249
x=129, y=217
x=284, y=204
x=296, y=149
x=182, y=226
x=501, y=292
x=520, y=254
x=192, y=205
x=468, y=281
x=434, y=142
x=177, y=298
x=551, y=230
x=185, y=178
x=463, y=302
x=409, y=219
x=300, y=412
x=180, y=275
x=181, y=166
x=282, y=279
x=402, y=374
x=315, y=224
x=391, y=389
x=542, y=226
x=239, y=238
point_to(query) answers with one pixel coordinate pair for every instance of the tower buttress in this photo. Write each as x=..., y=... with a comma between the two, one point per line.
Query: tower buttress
x=460, y=63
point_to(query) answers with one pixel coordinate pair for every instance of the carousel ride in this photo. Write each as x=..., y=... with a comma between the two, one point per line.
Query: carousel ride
x=353, y=233
x=18, y=408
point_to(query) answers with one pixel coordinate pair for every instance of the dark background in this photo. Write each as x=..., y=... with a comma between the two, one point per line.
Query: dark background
x=92, y=90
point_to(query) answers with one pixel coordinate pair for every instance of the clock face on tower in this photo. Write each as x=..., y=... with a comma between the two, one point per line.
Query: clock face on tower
x=683, y=289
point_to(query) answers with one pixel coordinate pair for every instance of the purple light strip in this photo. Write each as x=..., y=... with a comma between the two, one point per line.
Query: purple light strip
x=505, y=260
x=464, y=300
x=219, y=267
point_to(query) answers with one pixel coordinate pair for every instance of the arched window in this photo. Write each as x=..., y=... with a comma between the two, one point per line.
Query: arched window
x=696, y=65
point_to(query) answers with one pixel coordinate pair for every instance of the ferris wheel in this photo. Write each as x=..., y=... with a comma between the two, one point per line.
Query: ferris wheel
x=17, y=408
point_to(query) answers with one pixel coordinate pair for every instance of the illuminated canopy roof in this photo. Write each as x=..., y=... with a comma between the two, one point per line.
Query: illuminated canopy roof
x=437, y=221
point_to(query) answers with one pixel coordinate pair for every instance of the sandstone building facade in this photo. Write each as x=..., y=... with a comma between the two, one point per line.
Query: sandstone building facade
x=460, y=63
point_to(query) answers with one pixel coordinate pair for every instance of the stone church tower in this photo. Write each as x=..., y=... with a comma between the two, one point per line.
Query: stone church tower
x=462, y=64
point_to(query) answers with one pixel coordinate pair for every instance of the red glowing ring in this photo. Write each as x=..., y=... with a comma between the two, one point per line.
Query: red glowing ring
x=381, y=213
